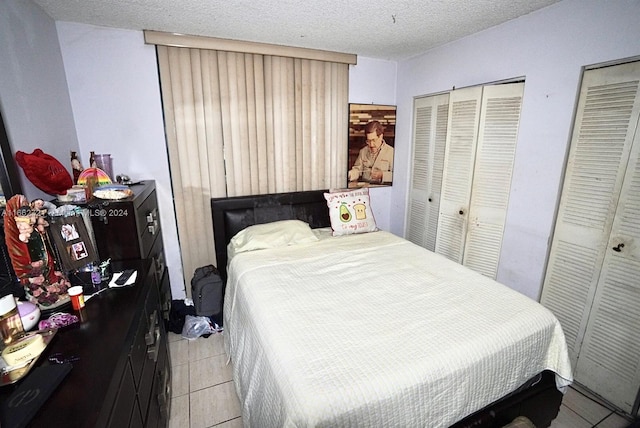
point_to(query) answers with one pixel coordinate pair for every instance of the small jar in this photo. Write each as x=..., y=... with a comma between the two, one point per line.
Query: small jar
x=10, y=323
x=96, y=278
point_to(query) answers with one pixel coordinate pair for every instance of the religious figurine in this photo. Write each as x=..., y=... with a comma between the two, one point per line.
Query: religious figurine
x=31, y=252
x=76, y=166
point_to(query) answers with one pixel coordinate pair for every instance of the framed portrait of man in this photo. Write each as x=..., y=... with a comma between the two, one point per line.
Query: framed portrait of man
x=372, y=130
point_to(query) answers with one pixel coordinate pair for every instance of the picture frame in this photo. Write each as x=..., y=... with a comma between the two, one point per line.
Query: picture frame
x=73, y=243
x=370, y=161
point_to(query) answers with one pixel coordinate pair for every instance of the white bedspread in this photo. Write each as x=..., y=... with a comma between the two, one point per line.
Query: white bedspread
x=372, y=330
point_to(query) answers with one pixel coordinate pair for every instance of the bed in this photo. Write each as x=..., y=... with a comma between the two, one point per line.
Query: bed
x=369, y=329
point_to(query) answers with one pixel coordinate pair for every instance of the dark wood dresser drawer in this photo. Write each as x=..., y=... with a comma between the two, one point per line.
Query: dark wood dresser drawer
x=127, y=229
x=120, y=378
x=152, y=338
x=125, y=405
x=148, y=223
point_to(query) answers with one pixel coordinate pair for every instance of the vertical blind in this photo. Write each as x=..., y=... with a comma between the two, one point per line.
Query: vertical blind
x=243, y=124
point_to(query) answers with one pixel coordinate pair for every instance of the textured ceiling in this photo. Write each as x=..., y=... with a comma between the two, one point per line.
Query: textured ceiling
x=384, y=29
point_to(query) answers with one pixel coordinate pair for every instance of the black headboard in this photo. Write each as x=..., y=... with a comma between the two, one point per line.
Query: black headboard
x=231, y=215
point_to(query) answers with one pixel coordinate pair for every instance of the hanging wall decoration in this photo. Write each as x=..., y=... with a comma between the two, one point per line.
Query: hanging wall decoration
x=371, y=145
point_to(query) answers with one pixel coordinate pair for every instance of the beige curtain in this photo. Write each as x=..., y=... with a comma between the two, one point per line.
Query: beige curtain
x=245, y=123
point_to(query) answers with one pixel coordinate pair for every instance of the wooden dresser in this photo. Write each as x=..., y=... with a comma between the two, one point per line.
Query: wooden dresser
x=130, y=229
x=122, y=376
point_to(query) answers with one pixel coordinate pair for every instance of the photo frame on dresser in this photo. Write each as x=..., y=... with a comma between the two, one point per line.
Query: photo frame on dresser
x=372, y=129
x=72, y=241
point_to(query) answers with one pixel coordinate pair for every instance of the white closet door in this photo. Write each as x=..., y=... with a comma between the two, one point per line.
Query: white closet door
x=429, y=138
x=497, y=138
x=462, y=135
x=609, y=358
x=607, y=114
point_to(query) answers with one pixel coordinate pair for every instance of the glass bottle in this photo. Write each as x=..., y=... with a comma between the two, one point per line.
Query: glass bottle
x=76, y=166
x=96, y=277
x=10, y=322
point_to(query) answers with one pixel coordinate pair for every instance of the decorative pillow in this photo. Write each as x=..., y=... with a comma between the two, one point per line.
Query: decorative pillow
x=45, y=172
x=350, y=212
x=270, y=235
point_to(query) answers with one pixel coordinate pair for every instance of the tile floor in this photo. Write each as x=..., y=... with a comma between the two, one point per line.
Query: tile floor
x=202, y=389
x=579, y=410
x=203, y=393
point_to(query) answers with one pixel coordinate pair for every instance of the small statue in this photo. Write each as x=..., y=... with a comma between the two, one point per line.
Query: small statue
x=31, y=252
x=76, y=166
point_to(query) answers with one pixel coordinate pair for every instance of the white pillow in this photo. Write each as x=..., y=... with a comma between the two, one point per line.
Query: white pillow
x=270, y=235
x=350, y=212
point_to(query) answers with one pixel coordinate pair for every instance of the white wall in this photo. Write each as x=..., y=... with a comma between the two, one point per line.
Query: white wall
x=549, y=48
x=113, y=84
x=33, y=91
x=114, y=89
x=372, y=81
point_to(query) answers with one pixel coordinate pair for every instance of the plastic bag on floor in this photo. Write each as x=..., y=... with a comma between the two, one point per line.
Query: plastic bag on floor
x=195, y=326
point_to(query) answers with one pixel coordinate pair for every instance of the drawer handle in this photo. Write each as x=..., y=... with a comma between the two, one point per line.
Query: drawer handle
x=152, y=216
x=152, y=351
x=166, y=308
x=149, y=337
x=164, y=397
x=152, y=229
x=159, y=262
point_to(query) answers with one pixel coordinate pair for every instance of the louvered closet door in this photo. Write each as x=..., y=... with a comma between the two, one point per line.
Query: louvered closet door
x=497, y=138
x=593, y=289
x=429, y=138
x=610, y=355
x=462, y=136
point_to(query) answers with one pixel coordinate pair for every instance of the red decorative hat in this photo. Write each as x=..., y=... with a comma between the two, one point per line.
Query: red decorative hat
x=45, y=172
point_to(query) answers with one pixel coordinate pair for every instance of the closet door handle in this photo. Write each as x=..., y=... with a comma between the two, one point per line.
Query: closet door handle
x=618, y=248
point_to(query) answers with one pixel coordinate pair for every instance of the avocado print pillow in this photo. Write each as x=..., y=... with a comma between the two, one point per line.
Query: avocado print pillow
x=350, y=212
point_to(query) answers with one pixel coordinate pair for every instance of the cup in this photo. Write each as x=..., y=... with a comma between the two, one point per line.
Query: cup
x=376, y=175
x=104, y=162
x=77, y=298
x=10, y=323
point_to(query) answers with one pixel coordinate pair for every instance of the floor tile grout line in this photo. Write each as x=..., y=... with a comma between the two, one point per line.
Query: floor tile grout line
x=189, y=387
x=577, y=414
x=210, y=386
x=204, y=358
x=595, y=400
x=602, y=420
x=598, y=402
x=224, y=422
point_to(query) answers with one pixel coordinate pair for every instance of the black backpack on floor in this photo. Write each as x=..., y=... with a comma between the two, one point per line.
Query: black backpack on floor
x=207, y=292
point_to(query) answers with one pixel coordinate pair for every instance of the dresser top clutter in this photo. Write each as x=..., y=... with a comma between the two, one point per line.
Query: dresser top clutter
x=109, y=368
x=110, y=361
